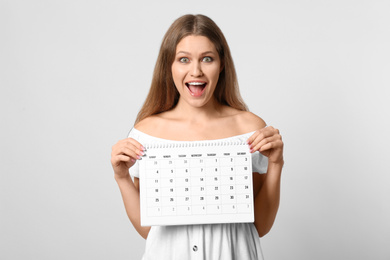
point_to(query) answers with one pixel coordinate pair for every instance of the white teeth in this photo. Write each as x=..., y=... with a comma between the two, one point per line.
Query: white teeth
x=196, y=83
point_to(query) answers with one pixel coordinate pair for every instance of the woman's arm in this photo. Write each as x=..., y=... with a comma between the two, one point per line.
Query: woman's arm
x=123, y=156
x=269, y=142
x=267, y=199
x=130, y=196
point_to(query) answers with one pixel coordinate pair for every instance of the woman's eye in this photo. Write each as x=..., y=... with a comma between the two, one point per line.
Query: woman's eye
x=207, y=59
x=184, y=60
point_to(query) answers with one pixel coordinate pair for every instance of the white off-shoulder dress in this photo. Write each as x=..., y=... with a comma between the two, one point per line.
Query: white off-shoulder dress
x=233, y=241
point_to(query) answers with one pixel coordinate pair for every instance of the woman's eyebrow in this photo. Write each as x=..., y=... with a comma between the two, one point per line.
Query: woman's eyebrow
x=188, y=53
x=183, y=52
x=208, y=52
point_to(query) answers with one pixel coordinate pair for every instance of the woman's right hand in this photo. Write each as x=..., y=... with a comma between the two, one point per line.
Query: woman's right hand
x=124, y=154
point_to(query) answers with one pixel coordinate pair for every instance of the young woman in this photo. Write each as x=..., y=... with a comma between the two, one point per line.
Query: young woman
x=194, y=96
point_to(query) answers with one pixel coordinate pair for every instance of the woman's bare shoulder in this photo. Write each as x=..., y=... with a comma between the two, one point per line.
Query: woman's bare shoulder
x=147, y=124
x=249, y=121
x=157, y=125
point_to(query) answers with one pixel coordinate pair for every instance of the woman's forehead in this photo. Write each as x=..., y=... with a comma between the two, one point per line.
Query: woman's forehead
x=194, y=44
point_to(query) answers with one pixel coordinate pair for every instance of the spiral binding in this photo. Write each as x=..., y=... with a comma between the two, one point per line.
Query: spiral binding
x=193, y=144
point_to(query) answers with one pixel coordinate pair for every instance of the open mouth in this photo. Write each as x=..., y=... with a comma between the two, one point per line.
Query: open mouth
x=196, y=88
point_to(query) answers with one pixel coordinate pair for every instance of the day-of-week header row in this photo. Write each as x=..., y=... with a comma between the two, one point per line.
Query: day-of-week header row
x=196, y=155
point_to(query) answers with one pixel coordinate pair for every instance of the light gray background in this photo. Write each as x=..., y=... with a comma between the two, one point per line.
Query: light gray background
x=73, y=75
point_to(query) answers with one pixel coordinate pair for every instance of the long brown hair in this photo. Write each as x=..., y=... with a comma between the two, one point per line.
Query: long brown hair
x=163, y=94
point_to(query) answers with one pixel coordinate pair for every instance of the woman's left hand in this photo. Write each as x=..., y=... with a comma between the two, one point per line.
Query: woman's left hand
x=268, y=142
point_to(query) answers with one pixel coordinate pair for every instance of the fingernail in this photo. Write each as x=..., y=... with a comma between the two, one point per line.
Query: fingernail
x=138, y=157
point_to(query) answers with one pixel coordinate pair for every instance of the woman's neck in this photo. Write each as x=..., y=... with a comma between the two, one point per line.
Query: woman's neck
x=186, y=111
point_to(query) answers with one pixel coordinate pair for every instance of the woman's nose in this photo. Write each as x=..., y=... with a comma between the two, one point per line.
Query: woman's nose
x=196, y=70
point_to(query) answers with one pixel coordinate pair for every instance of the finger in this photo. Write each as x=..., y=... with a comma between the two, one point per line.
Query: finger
x=134, y=142
x=271, y=145
x=256, y=142
x=257, y=137
x=253, y=137
x=128, y=143
x=265, y=141
x=129, y=150
x=117, y=160
x=140, y=149
x=134, y=153
x=264, y=132
x=270, y=131
x=261, y=135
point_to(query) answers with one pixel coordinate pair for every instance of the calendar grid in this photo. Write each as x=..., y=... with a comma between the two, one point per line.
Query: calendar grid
x=196, y=185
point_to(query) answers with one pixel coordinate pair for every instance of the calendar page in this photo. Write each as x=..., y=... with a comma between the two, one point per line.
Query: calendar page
x=196, y=183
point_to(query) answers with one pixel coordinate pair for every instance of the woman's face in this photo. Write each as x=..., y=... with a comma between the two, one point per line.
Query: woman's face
x=196, y=69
